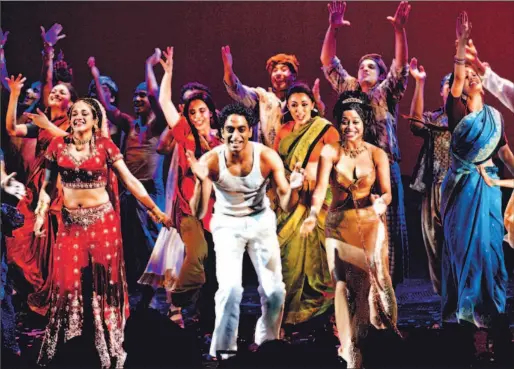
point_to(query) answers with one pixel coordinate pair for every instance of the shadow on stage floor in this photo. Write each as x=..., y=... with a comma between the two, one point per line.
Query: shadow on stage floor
x=153, y=341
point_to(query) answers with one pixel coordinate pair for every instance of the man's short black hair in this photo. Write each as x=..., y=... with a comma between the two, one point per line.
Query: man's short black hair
x=238, y=109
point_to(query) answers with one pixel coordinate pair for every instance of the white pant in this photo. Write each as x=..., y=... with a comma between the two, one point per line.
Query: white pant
x=231, y=236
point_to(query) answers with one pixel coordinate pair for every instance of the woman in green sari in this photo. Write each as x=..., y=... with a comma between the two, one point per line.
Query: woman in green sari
x=304, y=260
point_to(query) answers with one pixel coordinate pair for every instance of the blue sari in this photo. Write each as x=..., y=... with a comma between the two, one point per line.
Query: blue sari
x=474, y=274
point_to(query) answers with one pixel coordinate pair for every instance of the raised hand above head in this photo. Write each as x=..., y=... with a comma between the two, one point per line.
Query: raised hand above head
x=167, y=63
x=471, y=52
x=3, y=38
x=155, y=58
x=60, y=56
x=16, y=84
x=463, y=27
x=52, y=35
x=418, y=73
x=226, y=57
x=91, y=63
x=199, y=169
x=297, y=177
x=336, y=11
x=401, y=16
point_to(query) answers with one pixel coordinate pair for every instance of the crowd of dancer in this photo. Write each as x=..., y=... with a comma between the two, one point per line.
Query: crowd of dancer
x=318, y=205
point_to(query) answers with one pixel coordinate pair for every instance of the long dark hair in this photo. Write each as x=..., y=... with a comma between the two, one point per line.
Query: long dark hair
x=207, y=99
x=73, y=98
x=360, y=103
x=301, y=87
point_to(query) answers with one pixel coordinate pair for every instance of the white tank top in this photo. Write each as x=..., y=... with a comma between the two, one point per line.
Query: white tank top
x=240, y=196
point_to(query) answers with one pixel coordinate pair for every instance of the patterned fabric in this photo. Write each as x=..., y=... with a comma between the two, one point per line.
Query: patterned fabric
x=384, y=98
x=397, y=229
x=474, y=278
x=79, y=248
x=34, y=254
x=432, y=232
x=86, y=172
x=270, y=108
x=434, y=157
x=304, y=259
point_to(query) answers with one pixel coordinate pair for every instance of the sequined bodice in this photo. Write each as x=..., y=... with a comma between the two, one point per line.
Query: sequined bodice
x=86, y=172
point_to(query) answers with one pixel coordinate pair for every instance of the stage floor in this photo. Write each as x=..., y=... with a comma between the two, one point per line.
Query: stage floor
x=419, y=311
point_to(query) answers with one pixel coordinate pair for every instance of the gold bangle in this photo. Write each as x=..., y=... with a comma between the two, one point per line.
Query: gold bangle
x=42, y=208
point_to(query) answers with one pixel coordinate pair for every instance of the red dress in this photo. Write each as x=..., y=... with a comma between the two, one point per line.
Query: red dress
x=88, y=239
x=34, y=255
x=186, y=179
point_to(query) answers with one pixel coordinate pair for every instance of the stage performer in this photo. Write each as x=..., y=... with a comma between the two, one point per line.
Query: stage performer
x=431, y=167
x=385, y=91
x=304, y=261
x=191, y=131
x=11, y=219
x=474, y=281
x=239, y=171
x=271, y=104
x=34, y=255
x=139, y=230
x=501, y=88
x=110, y=94
x=355, y=226
x=89, y=236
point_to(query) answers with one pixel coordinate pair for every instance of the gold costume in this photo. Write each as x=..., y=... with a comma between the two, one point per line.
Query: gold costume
x=357, y=251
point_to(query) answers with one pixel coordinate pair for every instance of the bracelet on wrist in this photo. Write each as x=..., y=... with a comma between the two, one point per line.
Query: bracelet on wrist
x=459, y=61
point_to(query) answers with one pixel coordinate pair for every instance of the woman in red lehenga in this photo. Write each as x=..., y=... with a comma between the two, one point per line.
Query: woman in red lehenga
x=33, y=255
x=89, y=238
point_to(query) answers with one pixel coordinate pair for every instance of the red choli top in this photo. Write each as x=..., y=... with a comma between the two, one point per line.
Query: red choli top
x=84, y=173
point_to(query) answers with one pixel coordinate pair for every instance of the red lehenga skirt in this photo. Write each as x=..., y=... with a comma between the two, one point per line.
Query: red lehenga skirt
x=34, y=255
x=88, y=239
x=31, y=254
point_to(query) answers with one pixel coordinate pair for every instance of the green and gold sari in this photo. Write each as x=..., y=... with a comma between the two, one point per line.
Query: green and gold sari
x=304, y=259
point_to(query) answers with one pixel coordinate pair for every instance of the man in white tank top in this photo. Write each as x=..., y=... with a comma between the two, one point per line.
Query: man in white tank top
x=242, y=219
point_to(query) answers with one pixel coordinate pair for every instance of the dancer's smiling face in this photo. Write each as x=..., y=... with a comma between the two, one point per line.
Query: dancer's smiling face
x=82, y=117
x=60, y=97
x=236, y=132
x=352, y=126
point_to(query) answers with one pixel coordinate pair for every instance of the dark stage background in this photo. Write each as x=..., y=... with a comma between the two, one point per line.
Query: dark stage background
x=121, y=35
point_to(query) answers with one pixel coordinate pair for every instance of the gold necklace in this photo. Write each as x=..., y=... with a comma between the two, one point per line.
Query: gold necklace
x=353, y=153
x=80, y=144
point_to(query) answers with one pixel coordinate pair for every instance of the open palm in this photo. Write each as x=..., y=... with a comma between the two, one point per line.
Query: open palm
x=336, y=14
